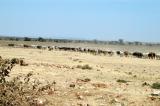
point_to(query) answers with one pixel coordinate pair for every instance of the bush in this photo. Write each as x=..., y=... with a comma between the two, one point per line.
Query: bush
x=155, y=85
x=84, y=67
x=27, y=39
x=40, y=39
x=21, y=90
x=22, y=63
x=122, y=81
x=15, y=61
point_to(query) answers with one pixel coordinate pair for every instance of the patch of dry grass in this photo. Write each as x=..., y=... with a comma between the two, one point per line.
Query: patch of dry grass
x=85, y=67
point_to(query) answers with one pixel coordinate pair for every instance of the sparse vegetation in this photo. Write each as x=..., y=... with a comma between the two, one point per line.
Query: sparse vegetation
x=156, y=85
x=145, y=84
x=20, y=90
x=22, y=63
x=15, y=61
x=84, y=67
x=76, y=83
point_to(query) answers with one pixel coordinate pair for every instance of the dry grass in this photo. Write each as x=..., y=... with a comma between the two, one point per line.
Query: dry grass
x=78, y=86
x=84, y=67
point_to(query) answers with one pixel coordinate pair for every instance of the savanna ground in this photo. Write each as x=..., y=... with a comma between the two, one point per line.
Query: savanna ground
x=93, y=86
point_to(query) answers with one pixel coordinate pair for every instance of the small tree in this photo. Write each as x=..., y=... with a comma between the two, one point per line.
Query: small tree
x=40, y=39
x=27, y=39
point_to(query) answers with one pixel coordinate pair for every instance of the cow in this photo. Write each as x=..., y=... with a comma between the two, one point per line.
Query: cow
x=11, y=45
x=50, y=48
x=151, y=55
x=119, y=53
x=44, y=47
x=137, y=54
x=26, y=46
x=126, y=53
x=158, y=57
x=39, y=47
x=34, y=46
x=110, y=53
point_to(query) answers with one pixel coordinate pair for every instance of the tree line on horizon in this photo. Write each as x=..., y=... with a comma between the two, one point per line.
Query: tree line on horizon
x=41, y=39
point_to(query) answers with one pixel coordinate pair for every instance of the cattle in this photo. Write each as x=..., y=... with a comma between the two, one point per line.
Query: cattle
x=137, y=54
x=11, y=45
x=110, y=53
x=92, y=51
x=151, y=55
x=126, y=53
x=85, y=50
x=80, y=49
x=50, y=48
x=145, y=55
x=158, y=57
x=34, y=46
x=118, y=52
x=39, y=47
x=44, y=47
x=102, y=52
x=26, y=46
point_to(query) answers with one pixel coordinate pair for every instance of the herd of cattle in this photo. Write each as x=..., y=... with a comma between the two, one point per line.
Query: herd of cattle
x=150, y=55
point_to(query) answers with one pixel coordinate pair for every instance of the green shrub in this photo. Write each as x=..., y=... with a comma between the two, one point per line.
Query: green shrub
x=122, y=81
x=155, y=85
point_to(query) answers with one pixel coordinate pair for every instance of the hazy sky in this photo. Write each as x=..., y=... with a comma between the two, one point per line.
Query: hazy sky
x=85, y=19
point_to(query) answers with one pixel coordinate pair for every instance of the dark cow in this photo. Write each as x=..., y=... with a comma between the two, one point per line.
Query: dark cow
x=110, y=53
x=11, y=45
x=26, y=46
x=92, y=51
x=50, y=48
x=126, y=53
x=151, y=55
x=101, y=52
x=39, y=47
x=137, y=54
x=118, y=52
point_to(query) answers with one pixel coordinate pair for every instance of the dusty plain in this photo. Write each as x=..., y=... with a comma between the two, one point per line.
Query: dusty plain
x=101, y=87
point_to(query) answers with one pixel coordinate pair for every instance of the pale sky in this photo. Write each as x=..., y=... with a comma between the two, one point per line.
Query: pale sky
x=133, y=20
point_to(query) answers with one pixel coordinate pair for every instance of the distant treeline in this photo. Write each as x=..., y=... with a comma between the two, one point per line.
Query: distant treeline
x=41, y=39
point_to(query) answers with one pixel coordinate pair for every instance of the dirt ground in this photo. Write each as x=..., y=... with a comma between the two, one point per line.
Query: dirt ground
x=89, y=87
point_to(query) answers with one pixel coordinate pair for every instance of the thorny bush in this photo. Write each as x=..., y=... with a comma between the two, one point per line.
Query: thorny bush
x=21, y=90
